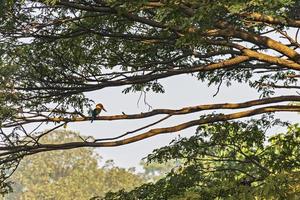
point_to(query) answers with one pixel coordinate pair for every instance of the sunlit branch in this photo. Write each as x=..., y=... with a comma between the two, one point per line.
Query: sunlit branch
x=186, y=110
x=172, y=129
x=271, y=20
x=140, y=78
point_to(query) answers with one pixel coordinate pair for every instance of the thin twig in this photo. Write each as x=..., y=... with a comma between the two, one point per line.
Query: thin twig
x=136, y=130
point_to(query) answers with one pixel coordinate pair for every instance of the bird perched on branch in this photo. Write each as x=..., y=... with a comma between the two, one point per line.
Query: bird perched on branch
x=97, y=111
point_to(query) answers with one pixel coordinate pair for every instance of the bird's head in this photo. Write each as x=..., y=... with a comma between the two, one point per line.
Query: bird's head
x=99, y=106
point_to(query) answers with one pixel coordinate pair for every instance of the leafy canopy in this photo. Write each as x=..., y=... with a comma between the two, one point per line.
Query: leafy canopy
x=227, y=160
x=53, y=53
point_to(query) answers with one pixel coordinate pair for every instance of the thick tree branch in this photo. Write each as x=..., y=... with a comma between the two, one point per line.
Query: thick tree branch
x=138, y=79
x=209, y=119
x=183, y=111
x=231, y=31
x=271, y=20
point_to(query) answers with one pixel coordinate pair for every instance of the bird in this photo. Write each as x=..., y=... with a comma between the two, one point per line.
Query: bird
x=97, y=111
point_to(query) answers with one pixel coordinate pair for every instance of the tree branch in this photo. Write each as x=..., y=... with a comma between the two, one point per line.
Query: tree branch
x=153, y=132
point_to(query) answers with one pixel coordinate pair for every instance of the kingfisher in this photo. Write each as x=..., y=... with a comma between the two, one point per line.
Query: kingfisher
x=97, y=111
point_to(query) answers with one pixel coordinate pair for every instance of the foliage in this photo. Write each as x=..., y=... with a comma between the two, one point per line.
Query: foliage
x=228, y=160
x=54, y=52
x=72, y=174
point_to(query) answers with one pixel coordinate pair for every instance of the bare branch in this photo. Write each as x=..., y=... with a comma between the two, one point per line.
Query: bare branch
x=182, y=111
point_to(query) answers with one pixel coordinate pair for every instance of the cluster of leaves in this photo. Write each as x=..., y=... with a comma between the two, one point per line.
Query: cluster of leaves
x=228, y=160
x=266, y=83
x=154, y=86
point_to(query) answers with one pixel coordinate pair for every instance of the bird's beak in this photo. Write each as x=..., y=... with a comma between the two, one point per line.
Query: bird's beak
x=104, y=109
